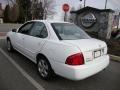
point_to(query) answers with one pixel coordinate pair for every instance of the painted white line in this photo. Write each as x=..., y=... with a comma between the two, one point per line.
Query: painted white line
x=28, y=77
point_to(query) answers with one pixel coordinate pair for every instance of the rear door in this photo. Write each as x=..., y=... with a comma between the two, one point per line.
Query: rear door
x=35, y=40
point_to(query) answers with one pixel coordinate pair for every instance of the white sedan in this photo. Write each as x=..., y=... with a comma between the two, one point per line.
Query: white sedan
x=60, y=48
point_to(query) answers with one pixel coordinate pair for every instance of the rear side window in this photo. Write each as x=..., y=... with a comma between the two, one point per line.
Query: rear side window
x=39, y=30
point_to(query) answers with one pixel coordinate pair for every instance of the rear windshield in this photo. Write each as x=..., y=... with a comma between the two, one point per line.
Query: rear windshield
x=68, y=31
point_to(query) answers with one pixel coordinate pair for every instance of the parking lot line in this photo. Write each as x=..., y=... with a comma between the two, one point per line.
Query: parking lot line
x=28, y=77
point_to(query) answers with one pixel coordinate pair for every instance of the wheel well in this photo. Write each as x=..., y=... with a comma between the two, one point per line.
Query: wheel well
x=8, y=38
x=43, y=56
x=50, y=67
x=40, y=55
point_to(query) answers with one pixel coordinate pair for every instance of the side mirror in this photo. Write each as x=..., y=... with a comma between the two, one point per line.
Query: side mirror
x=14, y=30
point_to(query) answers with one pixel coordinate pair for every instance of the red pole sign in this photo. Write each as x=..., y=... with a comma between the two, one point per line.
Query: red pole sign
x=66, y=7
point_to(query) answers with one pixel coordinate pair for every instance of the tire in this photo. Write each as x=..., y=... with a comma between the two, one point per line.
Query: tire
x=9, y=46
x=44, y=68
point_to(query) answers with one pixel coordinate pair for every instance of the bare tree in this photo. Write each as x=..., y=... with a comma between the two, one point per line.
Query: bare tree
x=14, y=13
x=37, y=10
x=49, y=6
x=6, y=14
x=14, y=10
x=42, y=8
x=12, y=2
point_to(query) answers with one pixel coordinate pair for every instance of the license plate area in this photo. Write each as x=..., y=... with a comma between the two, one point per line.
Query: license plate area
x=97, y=53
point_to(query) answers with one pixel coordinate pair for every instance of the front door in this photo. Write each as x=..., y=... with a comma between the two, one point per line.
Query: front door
x=20, y=36
x=35, y=40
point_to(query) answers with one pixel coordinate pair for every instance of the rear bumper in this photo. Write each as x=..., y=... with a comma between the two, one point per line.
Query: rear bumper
x=83, y=71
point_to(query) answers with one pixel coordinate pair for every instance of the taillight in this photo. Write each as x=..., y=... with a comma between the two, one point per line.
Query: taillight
x=76, y=59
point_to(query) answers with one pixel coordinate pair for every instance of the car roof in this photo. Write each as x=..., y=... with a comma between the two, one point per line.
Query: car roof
x=49, y=21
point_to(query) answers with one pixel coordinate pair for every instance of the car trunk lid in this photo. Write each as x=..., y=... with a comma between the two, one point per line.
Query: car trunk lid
x=91, y=48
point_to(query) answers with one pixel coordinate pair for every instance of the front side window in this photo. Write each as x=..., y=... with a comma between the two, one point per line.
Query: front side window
x=39, y=30
x=25, y=28
x=68, y=31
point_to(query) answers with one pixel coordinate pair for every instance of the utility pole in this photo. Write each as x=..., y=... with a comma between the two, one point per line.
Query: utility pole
x=106, y=3
x=84, y=3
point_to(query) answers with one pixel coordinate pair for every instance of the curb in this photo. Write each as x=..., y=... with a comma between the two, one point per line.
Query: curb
x=115, y=58
x=3, y=33
x=2, y=37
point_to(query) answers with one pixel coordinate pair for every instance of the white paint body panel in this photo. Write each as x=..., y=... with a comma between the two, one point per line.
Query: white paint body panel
x=57, y=52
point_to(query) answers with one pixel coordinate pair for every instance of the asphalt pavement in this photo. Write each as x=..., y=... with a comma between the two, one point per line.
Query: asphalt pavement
x=108, y=79
x=11, y=78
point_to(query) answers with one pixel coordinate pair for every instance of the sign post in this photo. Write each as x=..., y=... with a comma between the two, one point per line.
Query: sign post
x=66, y=8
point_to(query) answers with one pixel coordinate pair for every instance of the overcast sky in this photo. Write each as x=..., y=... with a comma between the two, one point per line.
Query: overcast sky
x=112, y=4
